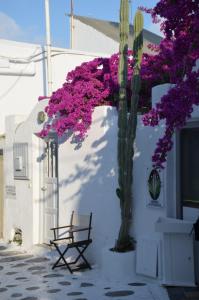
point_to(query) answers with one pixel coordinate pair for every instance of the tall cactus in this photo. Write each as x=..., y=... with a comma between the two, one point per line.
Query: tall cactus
x=122, y=79
x=127, y=123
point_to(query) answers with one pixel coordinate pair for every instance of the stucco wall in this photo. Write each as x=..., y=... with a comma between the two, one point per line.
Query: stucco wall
x=22, y=209
x=87, y=179
x=22, y=83
x=14, y=204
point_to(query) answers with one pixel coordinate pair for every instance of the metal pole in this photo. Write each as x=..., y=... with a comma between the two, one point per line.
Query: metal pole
x=48, y=47
x=71, y=23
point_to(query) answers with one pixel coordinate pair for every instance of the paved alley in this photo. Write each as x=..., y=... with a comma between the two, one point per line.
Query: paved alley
x=26, y=276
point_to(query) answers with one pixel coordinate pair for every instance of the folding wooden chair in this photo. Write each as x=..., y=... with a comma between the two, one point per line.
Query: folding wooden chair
x=75, y=235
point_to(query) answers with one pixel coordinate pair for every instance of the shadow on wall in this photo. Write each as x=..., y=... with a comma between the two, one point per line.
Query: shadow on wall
x=88, y=179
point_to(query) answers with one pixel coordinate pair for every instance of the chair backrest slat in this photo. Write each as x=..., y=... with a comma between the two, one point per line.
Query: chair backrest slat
x=82, y=221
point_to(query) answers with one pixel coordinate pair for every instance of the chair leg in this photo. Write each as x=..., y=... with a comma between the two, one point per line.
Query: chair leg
x=82, y=256
x=80, y=250
x=61, y=257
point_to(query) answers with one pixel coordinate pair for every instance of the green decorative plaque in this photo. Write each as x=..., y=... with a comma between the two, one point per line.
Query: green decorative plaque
x=154, y=184
x=41, y=117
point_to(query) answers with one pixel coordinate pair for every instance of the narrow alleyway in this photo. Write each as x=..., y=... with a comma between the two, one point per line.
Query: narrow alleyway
x=26, y=276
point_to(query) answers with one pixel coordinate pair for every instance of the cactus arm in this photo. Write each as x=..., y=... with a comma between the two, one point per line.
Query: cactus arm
x=122, y=79
x=135, y=86
x=136, y=80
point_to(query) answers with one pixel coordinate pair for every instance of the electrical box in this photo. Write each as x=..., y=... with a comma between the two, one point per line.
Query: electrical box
x=20, y=157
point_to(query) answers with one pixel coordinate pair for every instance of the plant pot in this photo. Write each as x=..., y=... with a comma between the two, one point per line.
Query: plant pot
x=118, y=266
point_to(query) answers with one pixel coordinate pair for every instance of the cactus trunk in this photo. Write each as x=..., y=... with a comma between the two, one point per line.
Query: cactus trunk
x=127, y=124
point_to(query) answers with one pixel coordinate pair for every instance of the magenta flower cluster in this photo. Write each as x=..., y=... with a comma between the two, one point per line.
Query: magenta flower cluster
x=92, y=84
x=175, y=60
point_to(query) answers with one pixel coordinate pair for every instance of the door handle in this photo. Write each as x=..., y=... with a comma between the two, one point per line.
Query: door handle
x=44, y=188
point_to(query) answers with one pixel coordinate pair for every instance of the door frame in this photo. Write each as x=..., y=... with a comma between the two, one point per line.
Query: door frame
x=192, y=123
x=43, y=187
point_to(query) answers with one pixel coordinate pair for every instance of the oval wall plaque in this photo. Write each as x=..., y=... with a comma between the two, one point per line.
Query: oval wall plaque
x=41, y=117
x=154, y=184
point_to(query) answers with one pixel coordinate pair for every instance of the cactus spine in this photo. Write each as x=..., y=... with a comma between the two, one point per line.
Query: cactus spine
x=127, y=123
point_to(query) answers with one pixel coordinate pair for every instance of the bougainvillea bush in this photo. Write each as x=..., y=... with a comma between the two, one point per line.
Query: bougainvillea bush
x=96, y=82
x=92, y=84
x=178, y=53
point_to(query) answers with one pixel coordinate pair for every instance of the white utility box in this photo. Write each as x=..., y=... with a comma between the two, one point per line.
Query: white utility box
x=177, y=251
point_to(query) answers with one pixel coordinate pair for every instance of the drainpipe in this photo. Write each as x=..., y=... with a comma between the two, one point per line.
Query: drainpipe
x=48, y=47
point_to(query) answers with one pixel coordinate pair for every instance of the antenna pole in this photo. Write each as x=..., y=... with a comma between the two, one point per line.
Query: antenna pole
x=71, y=23
x=48, y=46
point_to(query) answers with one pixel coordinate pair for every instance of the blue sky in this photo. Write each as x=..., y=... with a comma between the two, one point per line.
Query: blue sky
x=24, y=20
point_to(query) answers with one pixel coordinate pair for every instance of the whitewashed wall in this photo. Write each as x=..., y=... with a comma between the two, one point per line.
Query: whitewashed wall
x=22, y=210
x=21, y=85
x=87, y=179
x=13, y=202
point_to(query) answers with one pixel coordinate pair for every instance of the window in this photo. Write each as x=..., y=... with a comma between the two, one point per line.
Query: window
x=51, y=158
x=189, y=166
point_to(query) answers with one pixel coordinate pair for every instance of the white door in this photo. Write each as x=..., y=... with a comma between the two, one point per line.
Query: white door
x=50, y=190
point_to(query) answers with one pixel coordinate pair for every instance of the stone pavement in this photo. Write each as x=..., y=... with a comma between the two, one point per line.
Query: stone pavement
x=27, y=276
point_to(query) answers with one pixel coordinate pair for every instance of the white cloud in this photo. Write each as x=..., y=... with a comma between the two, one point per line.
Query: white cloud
x=9, y=29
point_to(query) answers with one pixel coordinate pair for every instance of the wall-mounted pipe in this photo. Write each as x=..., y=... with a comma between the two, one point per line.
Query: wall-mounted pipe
x=71, y=23
x=18, y=69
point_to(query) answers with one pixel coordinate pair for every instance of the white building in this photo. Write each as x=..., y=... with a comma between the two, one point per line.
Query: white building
x=94, y=35
x=23, y=80
x=23, y=70
x=23, y=74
